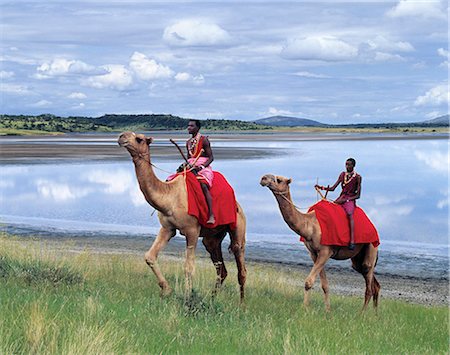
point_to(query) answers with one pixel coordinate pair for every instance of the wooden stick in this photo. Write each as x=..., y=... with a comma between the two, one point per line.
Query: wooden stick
x=179, y=149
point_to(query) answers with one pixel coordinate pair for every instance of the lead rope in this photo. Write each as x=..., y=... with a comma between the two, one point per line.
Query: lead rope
x=282, y=194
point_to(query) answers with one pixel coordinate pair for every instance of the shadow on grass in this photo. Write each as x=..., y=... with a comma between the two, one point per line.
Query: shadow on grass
x=196, y=305
x=33, y=272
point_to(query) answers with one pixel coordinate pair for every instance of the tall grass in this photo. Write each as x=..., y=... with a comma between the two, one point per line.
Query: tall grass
x=102, y=303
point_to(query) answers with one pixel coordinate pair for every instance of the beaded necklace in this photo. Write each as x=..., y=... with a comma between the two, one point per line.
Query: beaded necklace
x=193, y=143
x=348, y=177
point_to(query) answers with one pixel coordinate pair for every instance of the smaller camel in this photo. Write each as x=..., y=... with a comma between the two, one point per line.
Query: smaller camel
x=170, y=199
x=364, y=256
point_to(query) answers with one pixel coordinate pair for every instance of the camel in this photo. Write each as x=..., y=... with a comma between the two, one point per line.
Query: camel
x=363, y=257
x=170, y=199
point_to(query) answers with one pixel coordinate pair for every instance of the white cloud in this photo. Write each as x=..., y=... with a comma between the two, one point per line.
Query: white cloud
x=439, y=161
x=42, y=103
x=183, y=77
x=15, y=89
x=381, y=43
x=444, y=53
x=276, y=112
x=186, y=77
x=148, y=69
x=433, y=114
x=77, y=95
x=442, y=204
x=61, y=66
x=435, y=96
x=194, y=32
x=6, y=74
x=388, y=57
x=307, y=74
x=117, y=77
x=318, y=48
x=413, y=8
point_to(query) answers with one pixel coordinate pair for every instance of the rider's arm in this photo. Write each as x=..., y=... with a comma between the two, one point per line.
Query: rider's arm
x=332, y=188
x=207, y=152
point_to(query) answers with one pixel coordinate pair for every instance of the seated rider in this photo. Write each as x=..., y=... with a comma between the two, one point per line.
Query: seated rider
x=351, y=191
x=200, y=157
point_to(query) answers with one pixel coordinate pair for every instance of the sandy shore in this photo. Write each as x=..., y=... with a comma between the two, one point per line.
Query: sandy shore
x=343, y=280
x=104, y=146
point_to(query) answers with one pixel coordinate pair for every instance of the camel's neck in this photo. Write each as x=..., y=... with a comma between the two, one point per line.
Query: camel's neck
x=299, y=222
x=155, y=191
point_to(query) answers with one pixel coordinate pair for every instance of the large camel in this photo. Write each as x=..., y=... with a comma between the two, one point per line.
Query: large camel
x=364, y=256
x=170, y=199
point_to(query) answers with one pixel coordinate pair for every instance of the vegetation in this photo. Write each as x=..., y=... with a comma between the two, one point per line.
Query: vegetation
x=49, y=123
x=52, y=301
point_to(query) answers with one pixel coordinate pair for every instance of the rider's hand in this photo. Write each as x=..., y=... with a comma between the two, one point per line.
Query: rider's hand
x=319, y=187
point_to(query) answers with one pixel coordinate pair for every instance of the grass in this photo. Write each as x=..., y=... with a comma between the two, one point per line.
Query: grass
x=57, y=302
x=25, y=132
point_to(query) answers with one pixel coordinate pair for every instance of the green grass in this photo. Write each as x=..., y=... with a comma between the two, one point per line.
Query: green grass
x=57, y=302
x=25, y=132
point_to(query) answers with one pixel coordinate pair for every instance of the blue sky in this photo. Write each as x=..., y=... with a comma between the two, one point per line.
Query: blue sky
x=331, y=61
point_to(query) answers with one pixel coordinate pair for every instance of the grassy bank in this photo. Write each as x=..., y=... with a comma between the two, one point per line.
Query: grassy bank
x=58, y=302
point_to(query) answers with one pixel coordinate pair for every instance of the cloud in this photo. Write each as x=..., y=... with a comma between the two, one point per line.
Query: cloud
x=117, y=77
x=148, y=69
x=193, y=32
x=413, y=8
x=387, y=57
x=42, y=103
x=319, y=48
x=186, y=77
x=381, y=43
x=276, y=112
x=61, y=66
x=307, y=74
x=14, y=89
x=6, y=74
x=436, y=160
x=77, y=95
x=444, y=53
x=435, y=96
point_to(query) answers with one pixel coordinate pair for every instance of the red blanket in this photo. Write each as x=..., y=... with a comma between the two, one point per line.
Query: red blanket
x=335, y=229
x=224, y=201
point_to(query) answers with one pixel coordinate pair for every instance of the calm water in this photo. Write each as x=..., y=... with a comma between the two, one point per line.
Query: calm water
x=404, y=192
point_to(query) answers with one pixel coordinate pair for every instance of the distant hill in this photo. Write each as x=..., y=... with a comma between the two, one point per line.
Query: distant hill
x=109, y=123
x=285, y=121
x=441, y=120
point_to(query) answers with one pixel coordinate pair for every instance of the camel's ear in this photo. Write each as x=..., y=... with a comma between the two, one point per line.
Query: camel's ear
x=288, y=181
x=149, y=140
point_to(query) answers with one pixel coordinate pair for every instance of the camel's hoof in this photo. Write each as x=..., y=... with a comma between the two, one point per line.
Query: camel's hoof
x=166, y=292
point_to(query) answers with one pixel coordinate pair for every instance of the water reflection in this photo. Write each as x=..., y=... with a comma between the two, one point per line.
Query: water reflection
x=404, y=190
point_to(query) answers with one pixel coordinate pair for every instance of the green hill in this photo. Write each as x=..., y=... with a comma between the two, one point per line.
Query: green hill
x=110, y=123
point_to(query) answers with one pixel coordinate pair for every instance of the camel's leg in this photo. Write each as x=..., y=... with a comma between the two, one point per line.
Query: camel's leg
x=213, y=245
x=326, y=293
x=238, y=248
x=151, y=257
x=368, y=269
x=322, y=257
x=189, y=265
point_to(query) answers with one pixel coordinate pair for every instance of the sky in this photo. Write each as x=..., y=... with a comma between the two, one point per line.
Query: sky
x=331, y=61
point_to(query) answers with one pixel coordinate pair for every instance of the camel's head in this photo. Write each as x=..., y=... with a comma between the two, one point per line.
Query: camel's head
x=277, y=184
x=136, y=144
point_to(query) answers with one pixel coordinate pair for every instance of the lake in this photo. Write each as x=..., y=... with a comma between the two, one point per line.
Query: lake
x=405, y=193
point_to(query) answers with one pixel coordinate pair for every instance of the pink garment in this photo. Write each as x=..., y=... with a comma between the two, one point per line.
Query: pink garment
x=349, y=207
x=205, y=174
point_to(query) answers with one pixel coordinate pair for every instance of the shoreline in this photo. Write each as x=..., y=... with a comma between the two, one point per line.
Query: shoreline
x=342, y=280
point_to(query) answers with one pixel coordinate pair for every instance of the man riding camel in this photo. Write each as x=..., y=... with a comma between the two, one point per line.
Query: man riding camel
x=200, y=157
x=351, y=191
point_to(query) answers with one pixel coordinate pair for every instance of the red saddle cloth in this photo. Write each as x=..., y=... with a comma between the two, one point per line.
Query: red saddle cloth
x=334, y=225
x=224, y=201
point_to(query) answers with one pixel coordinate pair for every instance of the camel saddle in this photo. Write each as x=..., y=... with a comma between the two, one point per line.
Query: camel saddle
x=335, y=227
x=224, y=201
